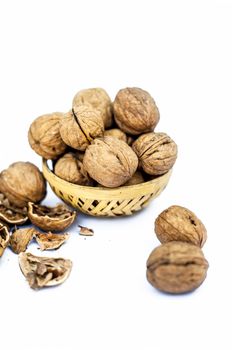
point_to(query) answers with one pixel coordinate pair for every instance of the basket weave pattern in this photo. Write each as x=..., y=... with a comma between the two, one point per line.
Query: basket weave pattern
x=98, y=201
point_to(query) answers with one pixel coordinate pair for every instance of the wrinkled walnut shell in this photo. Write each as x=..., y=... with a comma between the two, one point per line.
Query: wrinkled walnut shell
x=21, y=183
x=44, y=271
x=44, y=136
x=136, y=179
x=49, y=241
x=20, y=239
x=99, y=100
x=81, y=126
x=69, y=168
x=109, y=161
x=135, y=111
x=176, y=267
x=180, y=224
x=157, y=152
x=51, y=219
x=4, y=239
x=119, y=134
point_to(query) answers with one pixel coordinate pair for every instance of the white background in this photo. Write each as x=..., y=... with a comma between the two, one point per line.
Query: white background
x=181, y=52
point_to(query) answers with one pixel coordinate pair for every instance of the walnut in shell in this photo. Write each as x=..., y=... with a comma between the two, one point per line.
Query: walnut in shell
x=20, y=239
x=69, y=168
x=176, y=267
x=157, y=152
x=44, y=135
x=109, y=161
x=99, y=100
x=4, y=239
x=21, y=183
x=81, y=126
x=51, y=218
x=180, y=224
x=44, y=272
x=135, y=111
x=118, y=133
x=49, y=241
x=136, y=179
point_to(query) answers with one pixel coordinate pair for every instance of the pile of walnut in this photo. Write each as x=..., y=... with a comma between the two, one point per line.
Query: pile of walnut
x=178, y=265
x=103, y=143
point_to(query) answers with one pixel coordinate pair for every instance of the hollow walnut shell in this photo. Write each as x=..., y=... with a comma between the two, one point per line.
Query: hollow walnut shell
x=81, y=126
x=20, y=239
x=21, y=183
x=118, y=133
x=11, y=214
x=180, y=224
x=136, y=179
x=4, y=239
x=44, y=271
x=176, y=267
x=135, y=111
x=109, y=161
x=56, y=218
x=49, y=241
x=157, y=152
x=69, y=168
x=99, y=100
x=44, y=135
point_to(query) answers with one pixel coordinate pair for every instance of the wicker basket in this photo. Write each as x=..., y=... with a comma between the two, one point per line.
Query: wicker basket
x=97, y=201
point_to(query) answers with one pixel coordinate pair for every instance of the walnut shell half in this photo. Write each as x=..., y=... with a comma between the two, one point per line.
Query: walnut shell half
x=44, y=136
x=20, y=239
x=109, y=161
x=21, y=183
x=49, y=241
x=10, y=214
x=4, y=239
x=135, y=111
x=176, y=267
x=180, y=224
x=51, y=219
x=157, y=152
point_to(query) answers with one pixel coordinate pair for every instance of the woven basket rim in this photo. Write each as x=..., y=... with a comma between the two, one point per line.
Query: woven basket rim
x=124, y=189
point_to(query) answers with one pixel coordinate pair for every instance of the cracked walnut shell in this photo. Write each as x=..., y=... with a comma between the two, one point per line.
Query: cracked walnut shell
x=81, y=126
x=49, y=241
x=109, y=161
x=20, y=239
x=98, y=100
x=11, y=214
x=44, y=271
x=176, y=267
x=180, y=224
x=44, y=135
x=21, y=183
x=156, y=151
x=69, y=168
x=135, y=111
x=56, y=218
x=4, y=239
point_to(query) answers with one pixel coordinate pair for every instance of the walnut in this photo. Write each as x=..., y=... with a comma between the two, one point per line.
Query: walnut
x=99, y=100
x=81, y=126
x=119, y=134
x=69, y=168
x=44, y=271
x=135, y=111
x=4, y=239
x=157, y=152
x=21, y=183
x=51, y=219
x=180, y=224
x=111, y=162
x=20, y=239
x=44, y=135
x=48, y=241
x=176, y=267
x=136, y=179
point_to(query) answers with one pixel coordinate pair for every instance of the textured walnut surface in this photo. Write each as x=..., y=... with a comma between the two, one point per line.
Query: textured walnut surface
x=118, y=133
x=21, y=183
x=136, y=179
x=99, y=100
x=157, y=152
x=180, y=224
x=48, y=241
x=44, y=135
x=111, y=162
x=44, y=271
x=135, y=111
x=176, y=267
x=20, y=239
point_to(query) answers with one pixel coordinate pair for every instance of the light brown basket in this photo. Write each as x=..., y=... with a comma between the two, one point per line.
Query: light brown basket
x=98, y=201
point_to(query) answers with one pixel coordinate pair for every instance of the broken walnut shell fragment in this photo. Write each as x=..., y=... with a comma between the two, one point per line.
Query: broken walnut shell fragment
x=177, y=223
x=20, y=239
x=4, y=239
x=49, y=241
x=44, y=271
x=56, y=218
x=176, y=267
x=85, y=231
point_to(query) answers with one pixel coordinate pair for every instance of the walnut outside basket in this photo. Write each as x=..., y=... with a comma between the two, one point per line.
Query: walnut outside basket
x=98, y=201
